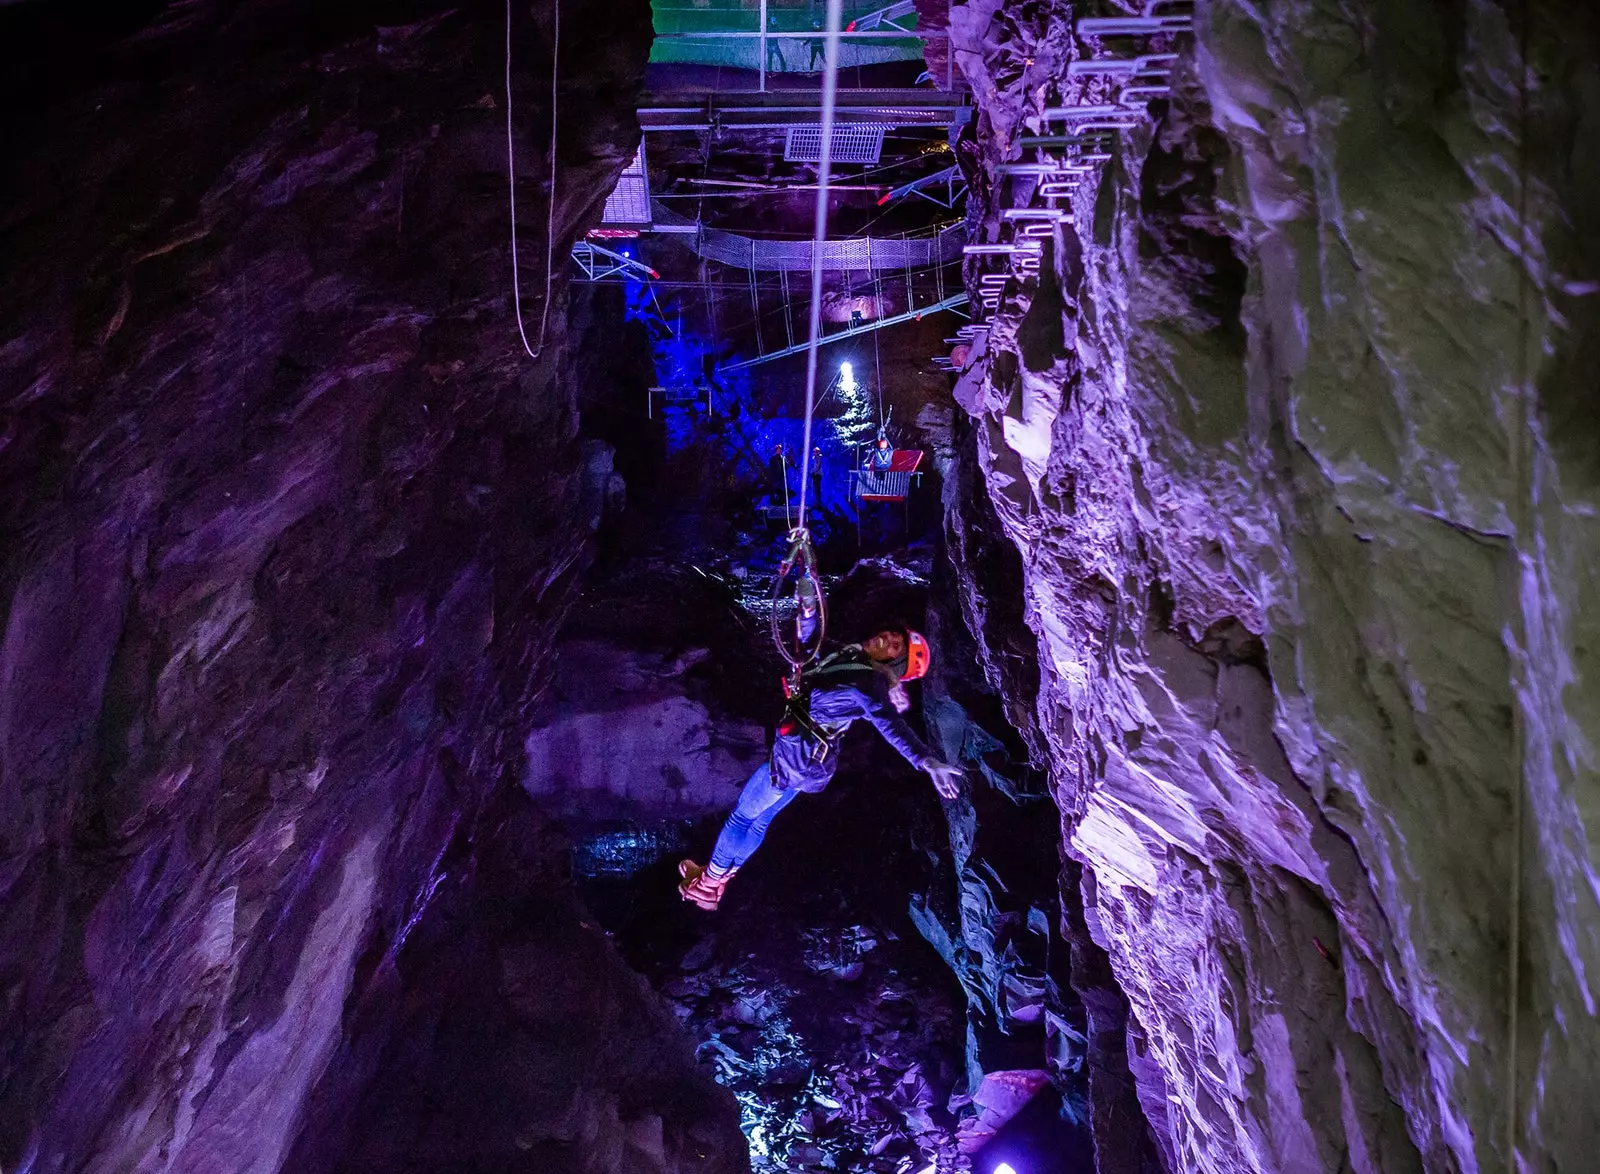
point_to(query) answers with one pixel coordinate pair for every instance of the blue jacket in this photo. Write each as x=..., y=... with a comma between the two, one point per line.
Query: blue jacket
x=837, y=700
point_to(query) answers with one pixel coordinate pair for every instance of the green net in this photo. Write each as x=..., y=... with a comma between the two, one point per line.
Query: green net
x=784, y=54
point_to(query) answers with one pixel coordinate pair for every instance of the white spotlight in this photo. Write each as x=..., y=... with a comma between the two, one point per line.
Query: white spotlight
x=847, y=384
x=1004, y=1168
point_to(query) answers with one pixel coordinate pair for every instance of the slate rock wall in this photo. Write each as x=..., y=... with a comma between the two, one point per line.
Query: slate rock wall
x=1291, y=444
x=288, y=519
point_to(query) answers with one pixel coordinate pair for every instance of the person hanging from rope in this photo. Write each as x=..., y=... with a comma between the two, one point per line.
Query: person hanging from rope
x=860, y=680
x=865, y=680
x=881, y=458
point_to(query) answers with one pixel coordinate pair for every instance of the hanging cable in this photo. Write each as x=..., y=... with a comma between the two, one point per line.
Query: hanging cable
x=830, y=87
x=877, y=365
x=811, y=622
x=550, y=217
x=788, y=514
x=511, y=172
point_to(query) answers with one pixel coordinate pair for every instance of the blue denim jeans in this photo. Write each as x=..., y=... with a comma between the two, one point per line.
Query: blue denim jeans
x=758, y=804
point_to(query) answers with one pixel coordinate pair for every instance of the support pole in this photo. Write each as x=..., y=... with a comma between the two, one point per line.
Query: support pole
x=949, y=303
x=762, y=85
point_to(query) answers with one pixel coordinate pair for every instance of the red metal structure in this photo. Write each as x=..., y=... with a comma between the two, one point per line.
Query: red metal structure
x=893, y=483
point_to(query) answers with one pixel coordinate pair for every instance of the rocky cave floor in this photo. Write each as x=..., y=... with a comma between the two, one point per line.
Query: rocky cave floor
x=809, y=993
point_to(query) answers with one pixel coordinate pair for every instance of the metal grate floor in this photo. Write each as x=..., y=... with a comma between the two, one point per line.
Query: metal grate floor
x=629, y=202
x=853, y=142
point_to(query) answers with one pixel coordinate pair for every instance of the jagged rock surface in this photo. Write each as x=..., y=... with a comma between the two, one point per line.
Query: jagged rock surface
x=642, y=721
x=1296, y=443
x=289, y=520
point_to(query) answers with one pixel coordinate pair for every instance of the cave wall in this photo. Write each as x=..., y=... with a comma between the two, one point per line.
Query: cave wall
x=289, y=519
x=1296, y=440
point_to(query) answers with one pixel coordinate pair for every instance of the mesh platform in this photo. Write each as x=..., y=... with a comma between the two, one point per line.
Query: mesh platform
x=853, y=142
x=893, y=483
x=629, y=202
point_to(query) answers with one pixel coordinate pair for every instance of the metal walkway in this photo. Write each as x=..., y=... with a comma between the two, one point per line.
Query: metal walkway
x=696, y=110
x=857, y=254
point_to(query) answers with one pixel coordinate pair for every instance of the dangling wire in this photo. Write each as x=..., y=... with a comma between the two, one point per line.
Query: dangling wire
x=877, y=364
x=511, y=171
x=788, y=514
x=811, y=629
x=550, y=216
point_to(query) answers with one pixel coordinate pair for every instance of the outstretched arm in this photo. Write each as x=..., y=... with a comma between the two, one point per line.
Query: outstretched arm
x=880, y=711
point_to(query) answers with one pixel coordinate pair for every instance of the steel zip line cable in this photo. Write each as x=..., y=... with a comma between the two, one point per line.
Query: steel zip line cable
x=801, y=557
x=830, y=88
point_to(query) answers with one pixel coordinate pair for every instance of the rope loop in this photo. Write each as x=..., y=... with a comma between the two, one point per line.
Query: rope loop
x=810, y=607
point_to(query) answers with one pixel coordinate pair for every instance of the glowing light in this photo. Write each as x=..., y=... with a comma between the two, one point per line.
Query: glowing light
x=1004, y=1168
x=847, y=384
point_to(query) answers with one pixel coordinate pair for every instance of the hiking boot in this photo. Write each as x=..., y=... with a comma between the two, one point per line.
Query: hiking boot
x=701, y=885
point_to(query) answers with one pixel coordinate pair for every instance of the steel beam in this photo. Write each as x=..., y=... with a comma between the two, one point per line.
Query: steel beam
x=949, y=303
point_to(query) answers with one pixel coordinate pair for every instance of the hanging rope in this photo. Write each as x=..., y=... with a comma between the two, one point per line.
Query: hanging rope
x=877, y=365
x=788, y=514
x=830, y=87
x=811, y=620
x=550, y=216
x=809, y=629
x=511, y=171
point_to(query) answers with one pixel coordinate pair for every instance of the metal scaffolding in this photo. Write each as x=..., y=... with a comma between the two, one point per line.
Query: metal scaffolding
x=699, y=110
x=1111, y=96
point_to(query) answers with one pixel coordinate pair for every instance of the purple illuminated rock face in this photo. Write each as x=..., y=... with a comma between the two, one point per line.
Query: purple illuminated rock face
x=1308, y=557
x=289, y=519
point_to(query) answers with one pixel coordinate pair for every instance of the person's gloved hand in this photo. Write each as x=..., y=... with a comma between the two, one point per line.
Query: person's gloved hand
x=946, y=778
x=899, y=698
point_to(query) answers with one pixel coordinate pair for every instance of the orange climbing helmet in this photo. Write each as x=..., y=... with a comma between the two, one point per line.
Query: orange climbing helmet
x=918, y=656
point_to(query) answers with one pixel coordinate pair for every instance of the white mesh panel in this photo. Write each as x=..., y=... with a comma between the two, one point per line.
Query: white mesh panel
x=853, y=142
x=629, y=202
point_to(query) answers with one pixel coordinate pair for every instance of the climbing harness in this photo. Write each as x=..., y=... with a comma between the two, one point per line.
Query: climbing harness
x=797, y=691
x=511, y=172
x=802, y=560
